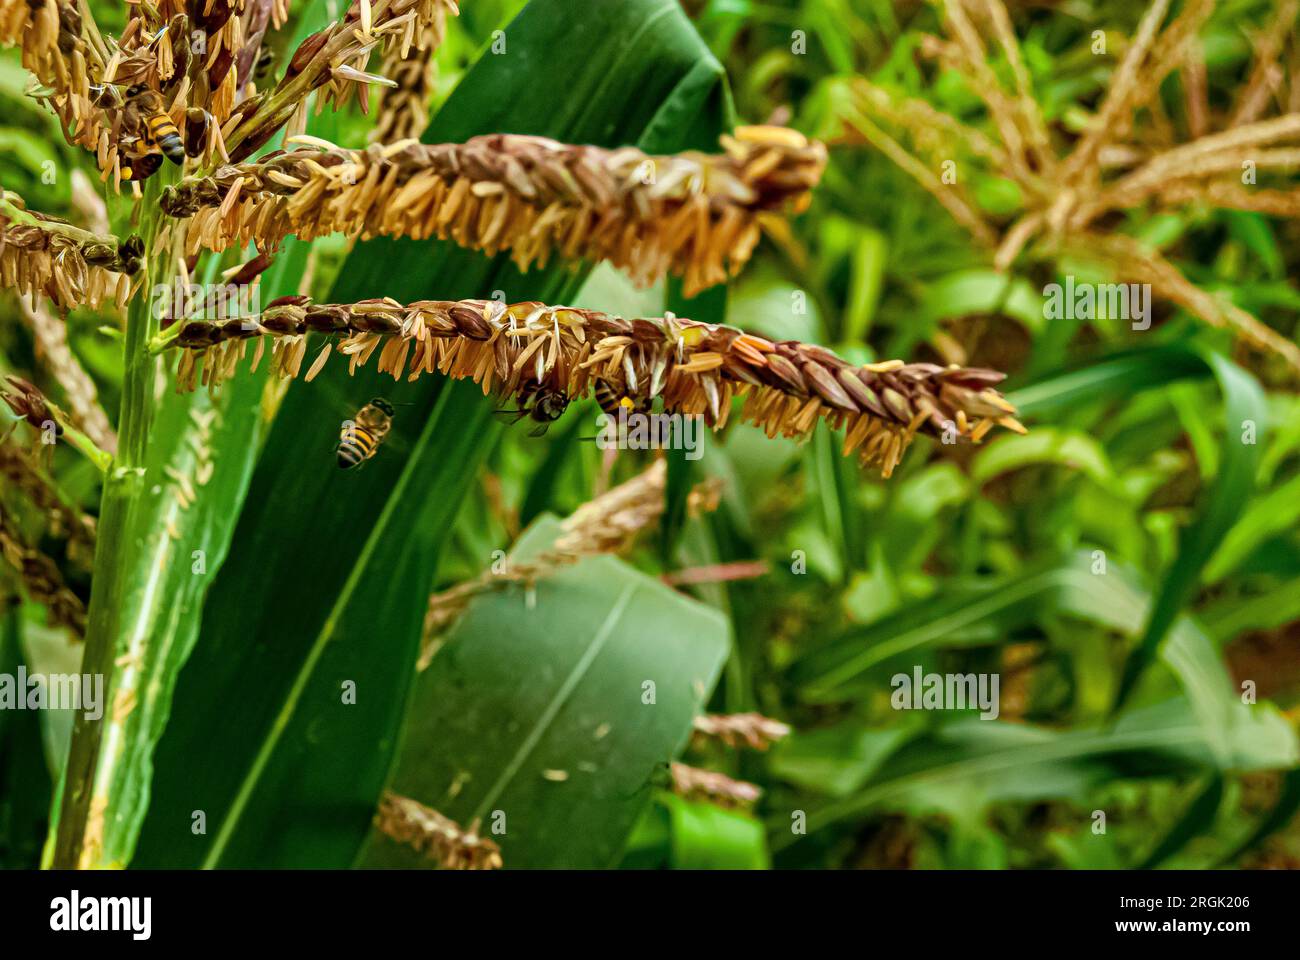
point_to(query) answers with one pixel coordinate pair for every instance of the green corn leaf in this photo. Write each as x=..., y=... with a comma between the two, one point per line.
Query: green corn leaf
x=548, y=713
x=197, y=470
x=293, y=776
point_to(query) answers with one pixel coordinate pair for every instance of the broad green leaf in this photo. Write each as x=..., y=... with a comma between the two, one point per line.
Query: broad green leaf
x=292, y=777
x=551, y=712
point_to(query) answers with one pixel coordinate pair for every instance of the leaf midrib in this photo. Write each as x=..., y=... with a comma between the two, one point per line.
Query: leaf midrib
x=557, y=701
x=377, y=534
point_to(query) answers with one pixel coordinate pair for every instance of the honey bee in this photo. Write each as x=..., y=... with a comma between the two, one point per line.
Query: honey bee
x=611, y=399
x=540, y=403
x=161, y=131
x=149, y=133
x=362, y=435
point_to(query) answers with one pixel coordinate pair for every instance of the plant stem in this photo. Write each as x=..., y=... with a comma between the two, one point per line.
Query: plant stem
x=78, y=826
x=102, y=459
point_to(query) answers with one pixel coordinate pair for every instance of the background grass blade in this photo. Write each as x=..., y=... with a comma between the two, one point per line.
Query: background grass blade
x=967, y=764
x=1288, y=802
x=1112, y=376
x=24, y=780
x=1196, y=819
x=1245, y=423
x=983, y=612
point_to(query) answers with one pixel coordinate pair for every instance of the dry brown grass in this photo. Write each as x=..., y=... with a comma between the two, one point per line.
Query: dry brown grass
x=1128, y=157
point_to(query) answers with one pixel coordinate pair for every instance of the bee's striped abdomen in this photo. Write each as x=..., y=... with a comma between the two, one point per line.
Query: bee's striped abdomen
x=611, y=399
x=167, y=137
x=356, y=445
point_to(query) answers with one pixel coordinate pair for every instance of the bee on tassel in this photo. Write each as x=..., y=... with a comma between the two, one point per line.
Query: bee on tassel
x=162, y=132
x=540, y=403
x=611, y=399
x=618, y=405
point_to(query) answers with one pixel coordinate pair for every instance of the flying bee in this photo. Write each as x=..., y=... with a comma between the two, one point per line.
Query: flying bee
x=611, y=399
x=540, y=403
x=362, y=435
